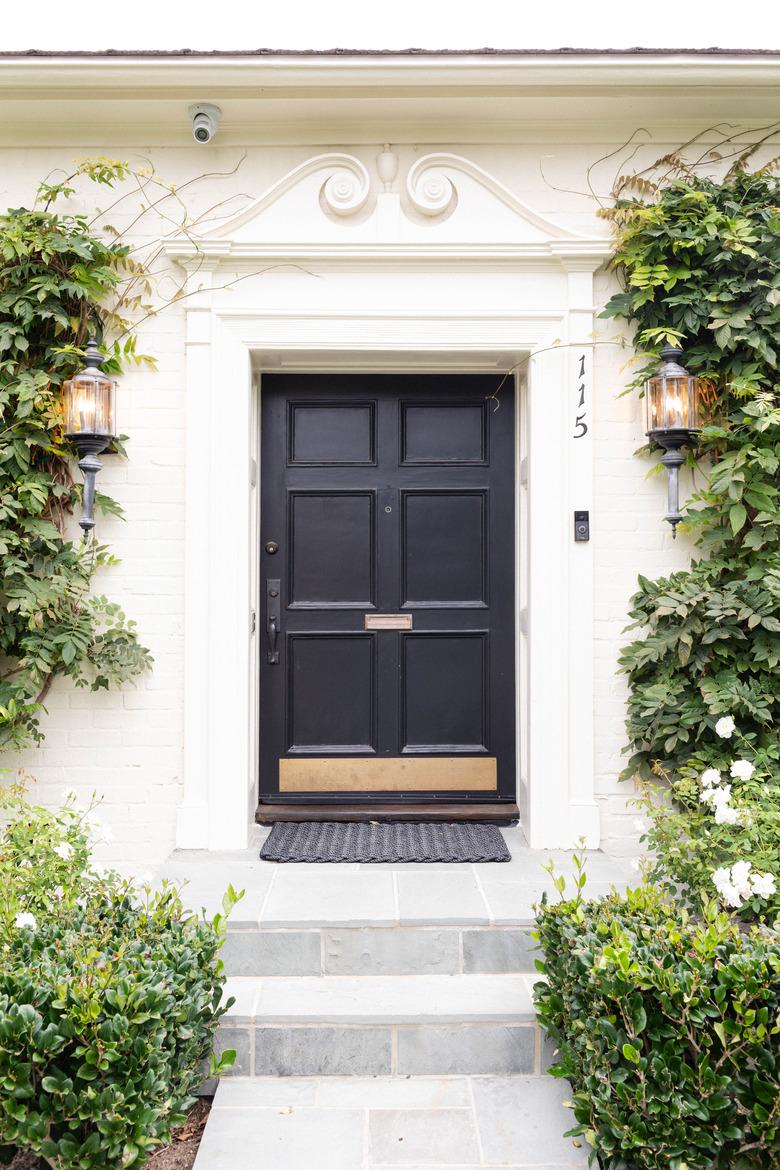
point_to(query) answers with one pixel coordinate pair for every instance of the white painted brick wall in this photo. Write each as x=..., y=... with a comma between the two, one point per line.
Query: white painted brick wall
x=127, y=745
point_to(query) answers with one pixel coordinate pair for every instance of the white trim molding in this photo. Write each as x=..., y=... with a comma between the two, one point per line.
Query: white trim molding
x=387, y=306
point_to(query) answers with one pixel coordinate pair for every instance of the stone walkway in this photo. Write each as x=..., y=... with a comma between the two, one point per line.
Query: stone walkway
x=384, y=1015
x=307, y=896
x=385, y=1123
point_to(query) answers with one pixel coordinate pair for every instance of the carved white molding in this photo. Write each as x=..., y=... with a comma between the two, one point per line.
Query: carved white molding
x=432, y=191
x=387, y=166
x=451, y=208
x=344, y=191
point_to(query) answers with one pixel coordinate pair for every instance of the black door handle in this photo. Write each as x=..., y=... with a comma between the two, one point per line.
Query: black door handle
x=273, y=638
x=272, y=620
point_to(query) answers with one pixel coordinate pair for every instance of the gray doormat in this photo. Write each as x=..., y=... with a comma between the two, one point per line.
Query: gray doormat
x=351, y=841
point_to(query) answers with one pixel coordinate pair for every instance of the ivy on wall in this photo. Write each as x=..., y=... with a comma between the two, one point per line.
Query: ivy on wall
x=701, y=265
x=55, y=273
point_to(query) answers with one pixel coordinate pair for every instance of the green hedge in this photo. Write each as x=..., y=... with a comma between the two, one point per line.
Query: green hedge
x=109, y=999
x=668, y=1029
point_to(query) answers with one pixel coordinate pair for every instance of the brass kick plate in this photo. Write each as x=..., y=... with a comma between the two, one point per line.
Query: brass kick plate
x=388, y=621
x=390, y=774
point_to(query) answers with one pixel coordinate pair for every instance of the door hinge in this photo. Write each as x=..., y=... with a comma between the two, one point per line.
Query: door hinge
x=252, y=621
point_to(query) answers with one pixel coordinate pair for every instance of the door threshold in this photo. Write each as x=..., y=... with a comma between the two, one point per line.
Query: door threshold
x=492, y=814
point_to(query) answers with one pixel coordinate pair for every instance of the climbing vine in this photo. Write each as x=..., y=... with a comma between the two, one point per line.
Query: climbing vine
x=699, y=262
x=701, y=265
x=58, y=279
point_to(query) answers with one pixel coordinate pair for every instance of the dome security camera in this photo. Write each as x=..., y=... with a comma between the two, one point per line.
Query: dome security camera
x=205, y=120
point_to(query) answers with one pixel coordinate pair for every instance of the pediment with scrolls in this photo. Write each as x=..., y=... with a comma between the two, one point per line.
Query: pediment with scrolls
x=332, y=205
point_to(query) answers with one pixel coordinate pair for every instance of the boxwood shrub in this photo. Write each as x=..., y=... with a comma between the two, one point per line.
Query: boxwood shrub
x=109, y=1000
x=668, y=1029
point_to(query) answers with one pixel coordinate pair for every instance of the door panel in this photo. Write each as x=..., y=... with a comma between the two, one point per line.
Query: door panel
x=331, y=433
x=443, y=548
x=443, y=432
x=444, y=692
x=332, y=549
x=340, y=716
x=389, y=498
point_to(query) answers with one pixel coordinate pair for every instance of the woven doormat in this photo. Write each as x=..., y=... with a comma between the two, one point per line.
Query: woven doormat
x=339, y=841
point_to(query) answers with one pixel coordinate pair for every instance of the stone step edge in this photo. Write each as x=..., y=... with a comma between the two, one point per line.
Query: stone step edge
x=447, y=922
x=377, y=951
x=373, y=1000
x=493, y=1048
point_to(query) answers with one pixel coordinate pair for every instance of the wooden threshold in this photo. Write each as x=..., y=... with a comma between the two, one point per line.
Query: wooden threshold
x=493, y=814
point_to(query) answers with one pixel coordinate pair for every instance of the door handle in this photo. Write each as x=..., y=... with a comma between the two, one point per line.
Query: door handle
x=272, y=620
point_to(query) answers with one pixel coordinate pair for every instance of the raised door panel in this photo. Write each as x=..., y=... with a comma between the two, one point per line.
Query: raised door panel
x=331, y=434
x=444, y=433
x=332, y=549
x=444, y=692
x=444, y=545
x=331, y=703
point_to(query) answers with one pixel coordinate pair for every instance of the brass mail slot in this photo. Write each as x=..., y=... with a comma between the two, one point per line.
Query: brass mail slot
x=388, y=621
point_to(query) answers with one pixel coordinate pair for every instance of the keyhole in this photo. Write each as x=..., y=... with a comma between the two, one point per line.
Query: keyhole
x=388, y=508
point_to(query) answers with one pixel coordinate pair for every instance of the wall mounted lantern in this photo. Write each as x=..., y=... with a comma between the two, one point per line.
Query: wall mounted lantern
x=89, y=400
x=673, y=403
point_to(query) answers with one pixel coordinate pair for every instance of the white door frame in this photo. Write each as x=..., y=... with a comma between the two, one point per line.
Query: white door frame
x=225, y=346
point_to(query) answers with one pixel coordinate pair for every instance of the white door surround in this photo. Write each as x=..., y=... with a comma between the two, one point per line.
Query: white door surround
x=452, y=274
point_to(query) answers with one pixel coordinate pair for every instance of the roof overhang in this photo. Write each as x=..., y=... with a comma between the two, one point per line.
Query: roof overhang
x=329, y=97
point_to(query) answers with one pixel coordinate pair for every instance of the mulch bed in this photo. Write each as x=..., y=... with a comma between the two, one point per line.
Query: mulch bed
x=179, y=1155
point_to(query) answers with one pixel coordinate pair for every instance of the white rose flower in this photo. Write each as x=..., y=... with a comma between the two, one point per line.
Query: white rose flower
x=742, y=769
x=719, y=797
x=740, y=877
x=725, y=727
x=726, y=815
x=25, y=921
x=99, y=832
x=711, y=777
x=722, y=881
x=763, y=884
x=64, y=850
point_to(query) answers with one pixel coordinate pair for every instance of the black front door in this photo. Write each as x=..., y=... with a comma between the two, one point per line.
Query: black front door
x=387, y=588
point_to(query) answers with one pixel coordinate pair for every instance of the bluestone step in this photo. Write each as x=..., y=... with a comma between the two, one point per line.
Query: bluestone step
x=391, y=950
x=418, y=1122
x=383, y=1025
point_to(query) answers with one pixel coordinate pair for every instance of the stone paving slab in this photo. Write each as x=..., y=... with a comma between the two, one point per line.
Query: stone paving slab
x=398, y=999
x=320, y=896
x=383, y=1123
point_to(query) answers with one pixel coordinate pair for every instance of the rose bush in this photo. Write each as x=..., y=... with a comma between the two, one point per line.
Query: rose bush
x=715, y=830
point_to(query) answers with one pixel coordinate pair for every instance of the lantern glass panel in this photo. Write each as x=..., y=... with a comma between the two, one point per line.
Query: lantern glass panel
x=654, y=398
x=672, y=403
x=676, y=404
x=89, y=400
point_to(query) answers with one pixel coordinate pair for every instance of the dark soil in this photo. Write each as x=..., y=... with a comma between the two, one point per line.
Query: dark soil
x=179, y=1155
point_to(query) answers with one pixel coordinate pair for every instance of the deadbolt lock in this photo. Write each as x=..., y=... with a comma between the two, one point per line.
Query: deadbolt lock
x=271, y=548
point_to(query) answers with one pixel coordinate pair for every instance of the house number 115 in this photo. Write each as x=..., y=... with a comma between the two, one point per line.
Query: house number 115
x=580, y=425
